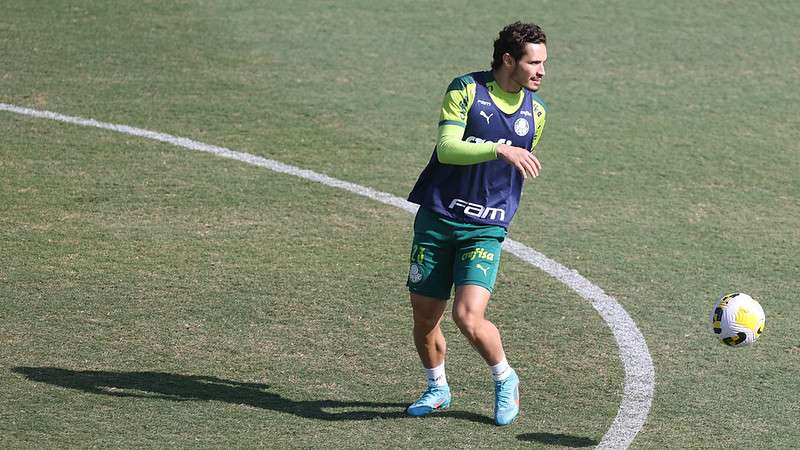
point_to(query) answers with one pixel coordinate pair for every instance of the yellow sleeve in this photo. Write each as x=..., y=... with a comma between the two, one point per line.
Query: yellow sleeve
x=540, y=116
x=457, y=101
x=450, y=148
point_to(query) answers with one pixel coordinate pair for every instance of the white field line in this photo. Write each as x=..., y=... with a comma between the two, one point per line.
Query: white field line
x=639, y=371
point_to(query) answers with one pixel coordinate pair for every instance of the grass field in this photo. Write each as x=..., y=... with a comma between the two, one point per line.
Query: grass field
x=156, y=297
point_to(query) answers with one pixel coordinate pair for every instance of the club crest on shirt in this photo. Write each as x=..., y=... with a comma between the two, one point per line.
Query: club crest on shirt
x=521, y=127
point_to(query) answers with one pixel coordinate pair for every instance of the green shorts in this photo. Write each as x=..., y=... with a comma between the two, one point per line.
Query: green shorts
x=446, y=252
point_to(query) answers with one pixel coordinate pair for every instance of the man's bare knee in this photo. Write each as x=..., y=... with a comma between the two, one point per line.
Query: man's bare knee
x=427, y=312
x=468, y=323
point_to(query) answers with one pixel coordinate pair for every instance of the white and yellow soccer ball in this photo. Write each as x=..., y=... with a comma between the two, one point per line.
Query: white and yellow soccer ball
x=737, y=320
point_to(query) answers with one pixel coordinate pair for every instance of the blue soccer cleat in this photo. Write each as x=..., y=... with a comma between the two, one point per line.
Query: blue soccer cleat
x=506, y=400
x=435, y=397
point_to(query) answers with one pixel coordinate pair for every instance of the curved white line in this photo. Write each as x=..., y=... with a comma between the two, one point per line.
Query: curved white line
x=638, y=365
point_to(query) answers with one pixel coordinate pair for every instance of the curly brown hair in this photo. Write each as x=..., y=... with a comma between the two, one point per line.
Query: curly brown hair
x=512, y=40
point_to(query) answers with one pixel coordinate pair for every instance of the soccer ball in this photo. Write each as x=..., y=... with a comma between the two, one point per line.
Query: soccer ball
x=737, y=319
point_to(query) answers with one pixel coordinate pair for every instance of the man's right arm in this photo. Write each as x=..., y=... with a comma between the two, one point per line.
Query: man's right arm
x=450, y=146
x=452, y=149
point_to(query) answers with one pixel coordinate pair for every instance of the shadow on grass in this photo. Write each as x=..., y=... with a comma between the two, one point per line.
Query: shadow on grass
x=563, y=440
x=174, y=387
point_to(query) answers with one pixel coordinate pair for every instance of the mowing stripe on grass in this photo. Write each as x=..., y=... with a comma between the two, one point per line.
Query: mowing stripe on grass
x=638, y=365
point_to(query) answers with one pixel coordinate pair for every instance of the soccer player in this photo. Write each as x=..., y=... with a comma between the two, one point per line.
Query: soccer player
x=468, y=193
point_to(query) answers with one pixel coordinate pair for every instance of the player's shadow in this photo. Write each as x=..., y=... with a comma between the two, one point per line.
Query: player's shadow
x=563, y=440
x=179, y=388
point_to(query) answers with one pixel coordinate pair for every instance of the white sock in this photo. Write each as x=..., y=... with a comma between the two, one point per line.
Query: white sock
x=436, y=376
x=501, y=370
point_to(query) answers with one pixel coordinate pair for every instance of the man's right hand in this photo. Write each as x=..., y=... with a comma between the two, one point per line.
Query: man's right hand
x=522, y=159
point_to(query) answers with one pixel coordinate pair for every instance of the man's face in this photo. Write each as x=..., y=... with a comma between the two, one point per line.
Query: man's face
x=529, y=70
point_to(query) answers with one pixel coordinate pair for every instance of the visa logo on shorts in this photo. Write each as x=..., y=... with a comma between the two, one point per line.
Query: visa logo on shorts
x=476, y=210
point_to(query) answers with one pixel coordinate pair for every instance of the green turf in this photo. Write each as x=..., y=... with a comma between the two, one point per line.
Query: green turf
x=155, y=297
